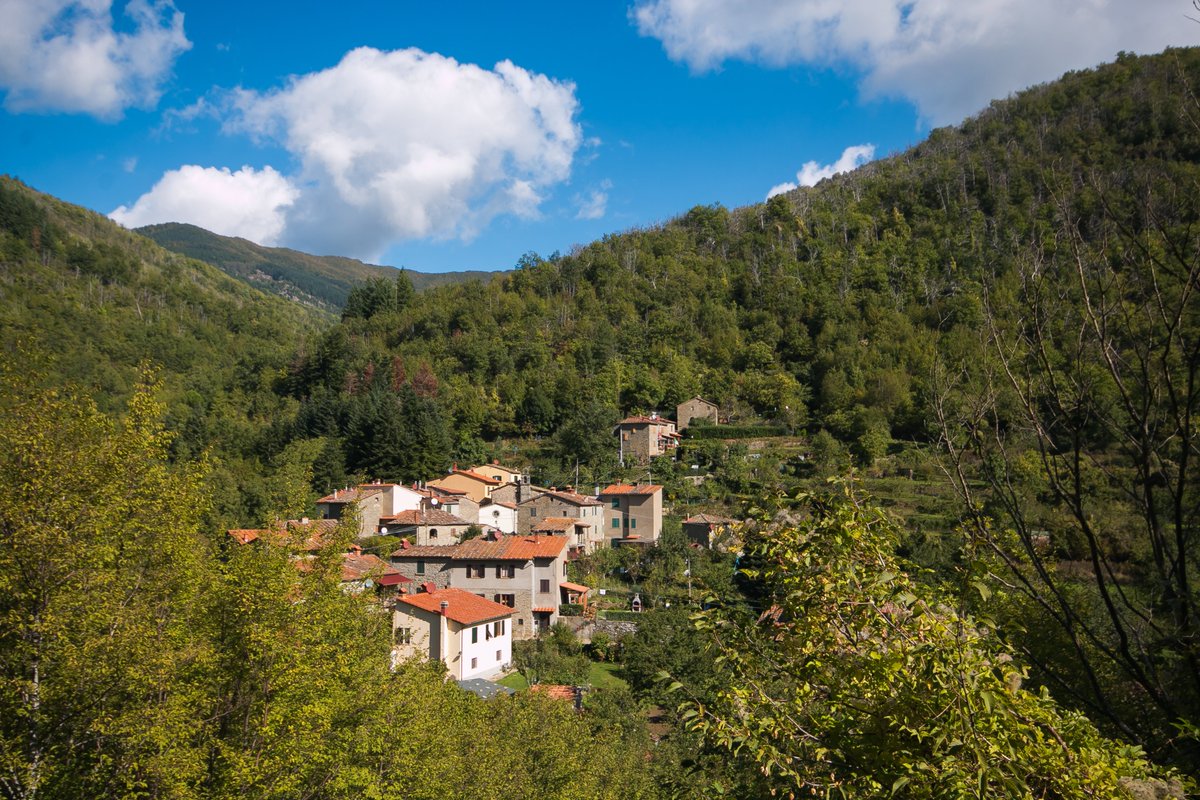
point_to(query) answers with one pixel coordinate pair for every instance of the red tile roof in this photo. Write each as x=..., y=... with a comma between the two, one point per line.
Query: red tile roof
x=574, y=587
x=555, y=690
x=312, y=531
x=463, y=607
x=507, y=548
x=434, y=516
x=567, y=497
x=559, y=524
x=544, y=609
x=643, y=420
x=625, y=488
x=356, y=566
x=475, y=476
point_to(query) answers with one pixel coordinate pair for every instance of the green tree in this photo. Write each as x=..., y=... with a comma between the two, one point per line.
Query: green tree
x=852, y=680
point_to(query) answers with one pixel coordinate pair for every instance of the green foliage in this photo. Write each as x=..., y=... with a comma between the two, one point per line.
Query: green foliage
x=555, y=656
x=852, y=680
x=733, y=431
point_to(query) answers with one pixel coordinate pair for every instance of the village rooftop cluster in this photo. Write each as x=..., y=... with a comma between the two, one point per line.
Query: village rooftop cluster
x=481, y=553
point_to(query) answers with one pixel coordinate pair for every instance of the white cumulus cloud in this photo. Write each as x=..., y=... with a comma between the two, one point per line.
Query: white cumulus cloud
x=593, y=205
x=813, y=173
x=68, y=55
x=948, y=57
x=248, y=203
x=407, y=144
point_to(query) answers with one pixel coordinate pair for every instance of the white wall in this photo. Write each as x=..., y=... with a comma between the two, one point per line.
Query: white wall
x=484, y=651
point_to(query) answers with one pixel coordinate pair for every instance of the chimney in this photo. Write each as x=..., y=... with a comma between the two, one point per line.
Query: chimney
x=496, y=461
x=444, y=606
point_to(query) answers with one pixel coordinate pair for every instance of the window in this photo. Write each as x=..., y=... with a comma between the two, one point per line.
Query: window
x=616, y=522
x=531, y=512
x=505, y=570
x=433, y=533
x=545, y=586
x=403, y=635
x=497, y=655
x=521, y=621
x=498, y=628
x=420, y=567
x=564, y=569
x=475, y=570
x=633, y=522
x=474, y=637
x=474, y=663
x=509, y=600
x=616, y=502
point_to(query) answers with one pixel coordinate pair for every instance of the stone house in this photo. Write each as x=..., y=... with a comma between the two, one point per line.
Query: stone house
x=525, y=573
x=559, y=503
x=470, y=634
x=426, y=527
x=516, y=493
x=696, y=408
x=632, y=513
x=640, y=439
x=373, y=501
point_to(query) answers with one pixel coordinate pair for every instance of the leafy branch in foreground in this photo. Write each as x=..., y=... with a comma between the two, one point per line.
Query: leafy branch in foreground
x=853, y=680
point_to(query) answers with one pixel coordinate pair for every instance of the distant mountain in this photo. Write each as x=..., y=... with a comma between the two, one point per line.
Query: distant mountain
x=319, y=281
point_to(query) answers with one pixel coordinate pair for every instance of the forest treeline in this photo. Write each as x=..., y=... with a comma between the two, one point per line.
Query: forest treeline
x=1016, y=294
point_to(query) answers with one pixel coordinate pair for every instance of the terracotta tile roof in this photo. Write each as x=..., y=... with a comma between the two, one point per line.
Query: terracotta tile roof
x=244, y=535
x=313, y=531
x=353, y=495
x=356, y=566
x=464, y=607
x=475, y=476
x=710, y=519
x=625, y=488
x=487, y=501
x=507, y=548
x=575, y=587
x=560, y=524
x=544, y=609
x=567, y=497
x=434, y=516
x=557, y=691
x=643, y=420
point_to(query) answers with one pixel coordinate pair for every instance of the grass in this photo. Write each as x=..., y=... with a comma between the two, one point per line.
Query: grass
x=516, y=681
x=600, y=676
x=606, y=676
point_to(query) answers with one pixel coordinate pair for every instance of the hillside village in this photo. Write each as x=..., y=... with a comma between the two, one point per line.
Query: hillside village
x=471, y=561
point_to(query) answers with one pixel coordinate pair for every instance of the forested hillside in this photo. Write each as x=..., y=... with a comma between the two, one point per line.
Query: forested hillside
x=83, y=301
x=319, y=281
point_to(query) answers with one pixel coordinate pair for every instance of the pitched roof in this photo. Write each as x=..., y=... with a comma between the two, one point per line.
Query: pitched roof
x=356, y=566
x=558, y=691
x=354, y=494
x=710, y=519
x=567, y=497
x=625, y=488
x=288, y=533
x=507, y=548
x=560, y=524
x=575, y=587
x=644, y=420
x=434, y=516
x=475, y=476
x=462, y=607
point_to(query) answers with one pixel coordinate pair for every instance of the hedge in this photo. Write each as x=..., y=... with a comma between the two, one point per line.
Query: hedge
x=734, y=431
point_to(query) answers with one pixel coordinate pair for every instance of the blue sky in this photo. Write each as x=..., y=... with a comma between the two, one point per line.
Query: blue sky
x=459, y=136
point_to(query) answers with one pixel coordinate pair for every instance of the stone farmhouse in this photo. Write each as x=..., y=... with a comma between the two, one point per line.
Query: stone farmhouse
x=640, y=439
x=696, y=408
x=562, y=504
x=433, y=526
x=525, y=573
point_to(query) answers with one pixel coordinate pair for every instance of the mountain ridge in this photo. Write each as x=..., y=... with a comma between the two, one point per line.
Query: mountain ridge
x=322, y=282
